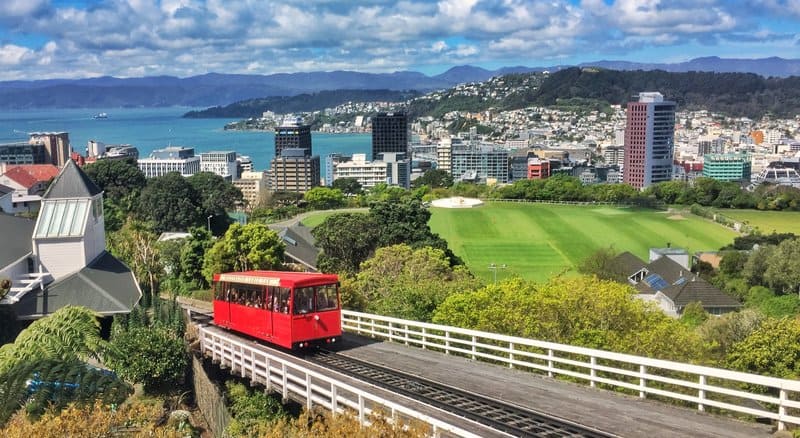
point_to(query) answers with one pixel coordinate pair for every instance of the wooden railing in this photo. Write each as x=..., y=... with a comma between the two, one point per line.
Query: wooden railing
x=699, y=386
x=289, y=378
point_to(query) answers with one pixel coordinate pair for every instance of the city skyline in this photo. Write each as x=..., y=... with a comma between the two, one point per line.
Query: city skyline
x=42, y=39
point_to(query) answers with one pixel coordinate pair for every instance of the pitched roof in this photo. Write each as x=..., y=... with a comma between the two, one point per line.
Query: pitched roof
x=299, y=244
x=106, y=286
x=700, y=290
x=16, y=242
x=629, y=263
x=4, y=190
x=71, y=182
x=27, y=175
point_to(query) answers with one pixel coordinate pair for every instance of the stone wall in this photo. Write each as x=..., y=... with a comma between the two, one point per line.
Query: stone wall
x=209, y=397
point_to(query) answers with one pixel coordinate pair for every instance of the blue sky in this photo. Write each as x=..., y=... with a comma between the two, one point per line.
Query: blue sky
x=128, y=38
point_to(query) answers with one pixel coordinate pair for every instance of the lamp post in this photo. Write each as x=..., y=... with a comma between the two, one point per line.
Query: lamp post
x=208, y=219
x=494, y=267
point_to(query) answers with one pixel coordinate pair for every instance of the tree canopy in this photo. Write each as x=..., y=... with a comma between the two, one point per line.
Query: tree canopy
x=434, y=178
x=409, y=283
x=346, y=240
x=171, y=203
x=324, y=198
x=581, y=311
x=244, y=248
x=119, y=179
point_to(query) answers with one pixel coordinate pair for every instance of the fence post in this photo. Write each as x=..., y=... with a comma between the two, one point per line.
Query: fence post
x=550, y=362
x=424, y=339
x=268, y=376
x=701, y=394
x=308, y=391
x=358, y=324
x=406, y=328
x=474, y=348
x=391, y=333
x=642, y=381
x=334, y=399
x=446, y=342
x=361, y=416
x=284, y=382
x=511, y=355
x=592, y=371
x=782, y=409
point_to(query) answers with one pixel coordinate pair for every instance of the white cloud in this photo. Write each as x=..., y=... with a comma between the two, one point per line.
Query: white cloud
x=186, y=37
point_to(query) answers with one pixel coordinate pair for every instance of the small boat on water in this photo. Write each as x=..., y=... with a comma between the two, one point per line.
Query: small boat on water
x=100, y=116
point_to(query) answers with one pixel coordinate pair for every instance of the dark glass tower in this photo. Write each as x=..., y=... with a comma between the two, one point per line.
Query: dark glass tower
x=389, y=133
x=293, y=136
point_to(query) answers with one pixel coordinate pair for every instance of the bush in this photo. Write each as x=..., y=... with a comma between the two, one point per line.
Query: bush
x=253, y=411
x=152, y=356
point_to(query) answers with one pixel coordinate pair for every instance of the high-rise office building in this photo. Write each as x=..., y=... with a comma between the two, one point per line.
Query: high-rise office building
x=649, y=140
x=294, y=171
x=292, y=135
x=389, y=133
x=56, y=146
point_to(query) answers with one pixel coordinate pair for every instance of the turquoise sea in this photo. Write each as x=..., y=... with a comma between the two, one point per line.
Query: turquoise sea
x=154, y=128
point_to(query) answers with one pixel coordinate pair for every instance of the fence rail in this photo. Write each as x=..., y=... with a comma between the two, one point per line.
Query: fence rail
x=315, y=389
x=700, y=386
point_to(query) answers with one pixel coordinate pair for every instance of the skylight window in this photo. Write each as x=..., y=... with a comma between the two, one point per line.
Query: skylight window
x=62, y=218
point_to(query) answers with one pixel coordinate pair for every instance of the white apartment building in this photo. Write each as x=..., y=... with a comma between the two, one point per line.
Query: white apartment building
x=393, y=171
x=170, y=159
x=222, y=163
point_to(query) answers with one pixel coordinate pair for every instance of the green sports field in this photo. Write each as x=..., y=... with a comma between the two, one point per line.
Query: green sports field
x=767, y=221
x=536, y=241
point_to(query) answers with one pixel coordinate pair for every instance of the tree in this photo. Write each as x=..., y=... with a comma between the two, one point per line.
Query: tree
x=171, y=203
x=244, y=248
x=783, y=267
x=324, y=198
x=192, y=255
x=722, y=332
x=217, y=196
x=773, y=349
x=348, y=186
x=120, y=180
x=604, y=264
x=693, y=314
x=434, y=178
x=135, y=244
x=346, y=240
x=581, y=311
x=757, y=264
x=409, y=283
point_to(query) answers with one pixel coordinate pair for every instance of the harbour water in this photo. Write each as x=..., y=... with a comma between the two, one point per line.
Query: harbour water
x=154, y=128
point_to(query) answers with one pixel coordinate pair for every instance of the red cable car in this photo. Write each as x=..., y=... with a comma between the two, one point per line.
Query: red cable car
x=290, y=309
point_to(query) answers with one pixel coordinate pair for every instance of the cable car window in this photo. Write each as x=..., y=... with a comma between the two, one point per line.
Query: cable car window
x=281, y=304
x=303, y=300
x=326, y=297
x=219, y=291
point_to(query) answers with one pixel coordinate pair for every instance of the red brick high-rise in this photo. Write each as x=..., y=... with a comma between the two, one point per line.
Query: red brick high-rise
x=649, y=137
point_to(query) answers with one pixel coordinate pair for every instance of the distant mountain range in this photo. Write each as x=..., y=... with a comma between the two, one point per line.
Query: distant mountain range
x=219, y=89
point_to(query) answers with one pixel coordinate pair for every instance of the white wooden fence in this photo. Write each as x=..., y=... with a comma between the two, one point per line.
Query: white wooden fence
x=288, y=378
x=700, y=386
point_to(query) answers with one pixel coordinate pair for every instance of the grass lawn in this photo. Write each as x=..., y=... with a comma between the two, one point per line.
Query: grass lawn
x=536, y=241
x=316, y=218
x=767, y=221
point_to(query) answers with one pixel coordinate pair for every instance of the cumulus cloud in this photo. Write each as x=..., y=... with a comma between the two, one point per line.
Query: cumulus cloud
x=186, y=37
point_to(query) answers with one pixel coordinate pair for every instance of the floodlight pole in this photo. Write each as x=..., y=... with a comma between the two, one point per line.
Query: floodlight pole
x=208, y=219
x=494, y=267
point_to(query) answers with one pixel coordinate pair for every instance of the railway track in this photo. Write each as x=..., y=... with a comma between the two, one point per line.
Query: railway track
x=496, y=414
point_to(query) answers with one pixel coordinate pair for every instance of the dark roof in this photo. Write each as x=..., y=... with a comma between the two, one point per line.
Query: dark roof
x=629, y=263
x=4, y=190
x=16, y=241
x=668, y=269
x=72, y=182
x=106, y=286
x=700, y=290
x=300, y=245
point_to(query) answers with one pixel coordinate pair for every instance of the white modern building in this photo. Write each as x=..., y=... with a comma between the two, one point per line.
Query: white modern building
x=222, y=163
x=170, y=159
x=392, y=168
